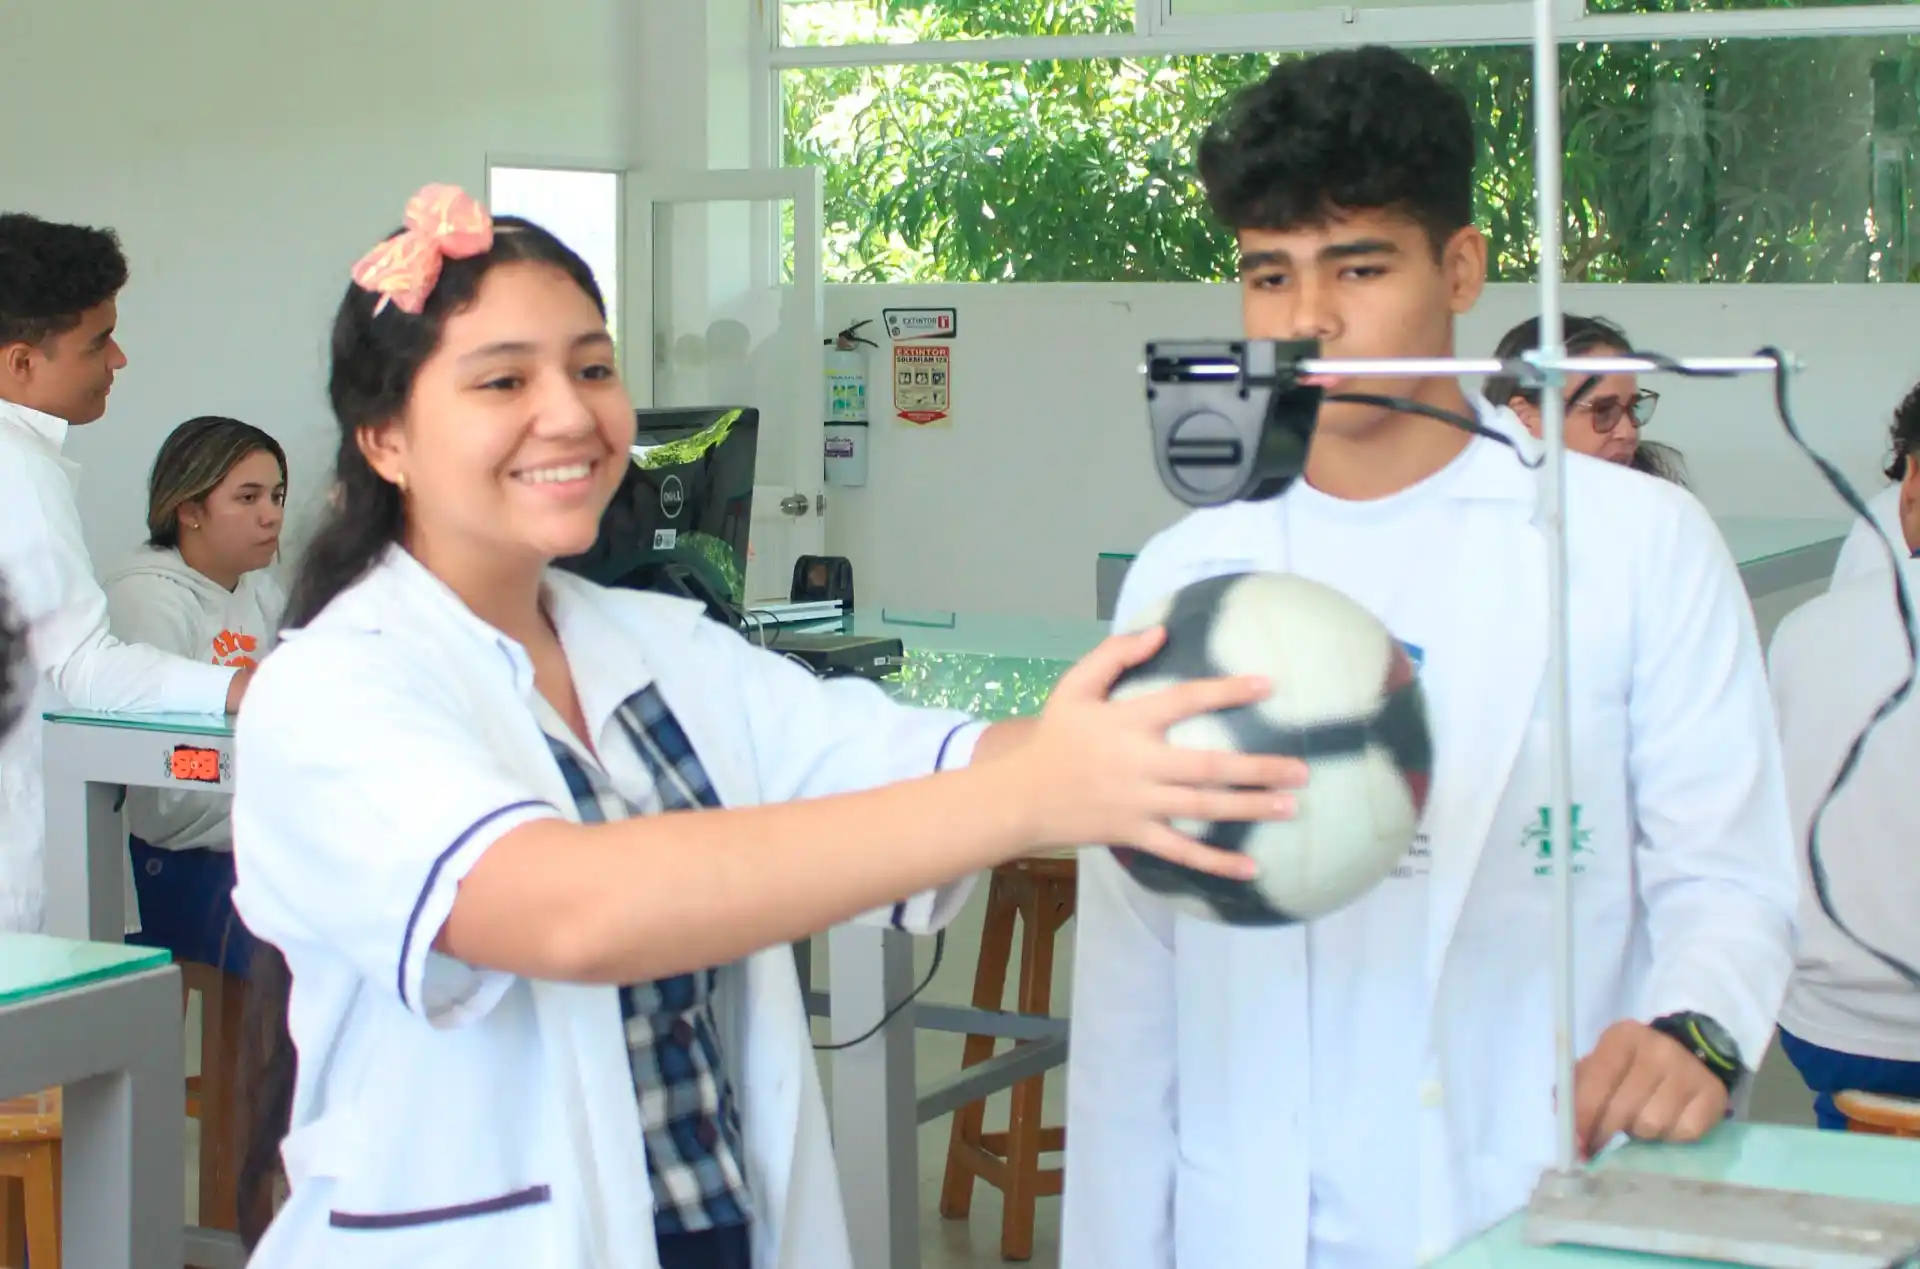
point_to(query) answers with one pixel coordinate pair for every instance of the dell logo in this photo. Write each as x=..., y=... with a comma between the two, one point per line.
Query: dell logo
x=673, y=497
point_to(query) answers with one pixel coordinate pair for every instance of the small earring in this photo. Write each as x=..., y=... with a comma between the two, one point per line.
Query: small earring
x=400, y=482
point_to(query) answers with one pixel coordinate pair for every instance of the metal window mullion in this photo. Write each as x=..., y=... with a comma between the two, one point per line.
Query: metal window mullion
x=1459, y=26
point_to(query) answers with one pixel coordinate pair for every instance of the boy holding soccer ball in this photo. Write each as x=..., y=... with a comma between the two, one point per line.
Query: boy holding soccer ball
x=1370, y=1089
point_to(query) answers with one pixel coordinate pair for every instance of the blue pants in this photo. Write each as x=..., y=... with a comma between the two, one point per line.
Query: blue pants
x=725, y=1248
x=186, y=906
x=1828, y=1071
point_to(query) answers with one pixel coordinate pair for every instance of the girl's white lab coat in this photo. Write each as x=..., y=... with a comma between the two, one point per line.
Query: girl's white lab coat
x=446, y=1116
x=1191, y=1087
x=77, y=662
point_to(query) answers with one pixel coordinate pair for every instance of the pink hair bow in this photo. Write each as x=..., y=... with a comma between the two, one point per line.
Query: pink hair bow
x=443, y=222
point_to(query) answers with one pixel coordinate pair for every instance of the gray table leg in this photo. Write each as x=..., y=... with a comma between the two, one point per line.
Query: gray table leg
x=875, y=1119
x=86, y=887
x=115, y=1047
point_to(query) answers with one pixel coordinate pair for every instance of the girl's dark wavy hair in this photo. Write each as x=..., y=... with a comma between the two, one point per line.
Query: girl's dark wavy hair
x=375, y=361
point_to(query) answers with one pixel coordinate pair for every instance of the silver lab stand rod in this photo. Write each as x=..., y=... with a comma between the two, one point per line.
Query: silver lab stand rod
x=1546, y=171
x=1422, y=367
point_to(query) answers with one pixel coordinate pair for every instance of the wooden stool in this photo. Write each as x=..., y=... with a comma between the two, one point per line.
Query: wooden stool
x=1039, y=892
x=1879, y=1114
x=30, y=1132
x=210, y=1094
x=30, y=1181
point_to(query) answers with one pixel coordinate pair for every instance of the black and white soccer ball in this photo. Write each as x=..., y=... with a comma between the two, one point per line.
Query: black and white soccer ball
x=1346, y=699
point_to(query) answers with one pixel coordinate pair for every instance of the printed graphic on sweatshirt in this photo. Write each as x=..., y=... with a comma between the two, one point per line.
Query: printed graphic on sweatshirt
x=235, y=649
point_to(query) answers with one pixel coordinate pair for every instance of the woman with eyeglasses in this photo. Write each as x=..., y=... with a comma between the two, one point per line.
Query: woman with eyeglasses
x=1605, y=413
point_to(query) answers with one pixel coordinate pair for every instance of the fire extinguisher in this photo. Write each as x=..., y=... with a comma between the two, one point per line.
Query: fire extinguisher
x=847, y=421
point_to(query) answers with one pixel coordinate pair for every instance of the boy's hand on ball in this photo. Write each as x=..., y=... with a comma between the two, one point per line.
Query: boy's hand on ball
x=1105, y=774
x=1644, y=1084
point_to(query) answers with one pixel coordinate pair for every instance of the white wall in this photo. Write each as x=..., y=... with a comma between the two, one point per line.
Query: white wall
x=248, y=153
x=1047, y=461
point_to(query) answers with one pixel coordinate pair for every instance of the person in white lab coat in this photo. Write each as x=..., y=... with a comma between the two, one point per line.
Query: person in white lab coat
x=542, y=995
x=1850, y=1021
x=1369, y=1090
x=201, y=586
x=1862, y=554
x=59, y=286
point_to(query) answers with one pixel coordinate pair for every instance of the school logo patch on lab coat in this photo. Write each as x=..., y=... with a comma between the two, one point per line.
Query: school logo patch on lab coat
x=1538, y=842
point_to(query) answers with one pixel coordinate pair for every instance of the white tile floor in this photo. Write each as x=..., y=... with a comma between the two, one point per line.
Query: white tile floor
x=975, y=1243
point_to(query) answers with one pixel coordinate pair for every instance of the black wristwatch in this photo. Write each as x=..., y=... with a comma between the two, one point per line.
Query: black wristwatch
x=1708, y=1041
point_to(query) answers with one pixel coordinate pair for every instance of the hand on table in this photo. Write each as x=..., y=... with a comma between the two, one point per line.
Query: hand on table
x=1644, y=1084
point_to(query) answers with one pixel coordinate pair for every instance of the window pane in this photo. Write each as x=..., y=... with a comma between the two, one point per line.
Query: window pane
x=1189, y=9
x=1687, y=6
x=1238, y=8
x=831, y=23
x=581, y=209
x=1693, y=161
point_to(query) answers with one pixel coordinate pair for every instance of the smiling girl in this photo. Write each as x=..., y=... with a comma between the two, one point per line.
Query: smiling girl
x=534, y=850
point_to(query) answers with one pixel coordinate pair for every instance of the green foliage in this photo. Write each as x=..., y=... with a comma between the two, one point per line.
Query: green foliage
x=1706, y=161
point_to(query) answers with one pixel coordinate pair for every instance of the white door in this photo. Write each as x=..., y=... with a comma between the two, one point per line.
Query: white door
x=721, y=299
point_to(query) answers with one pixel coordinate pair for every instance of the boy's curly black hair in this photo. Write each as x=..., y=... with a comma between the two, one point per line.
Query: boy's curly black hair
x=52, y=273
x=1363, y=129
x=1906, y=434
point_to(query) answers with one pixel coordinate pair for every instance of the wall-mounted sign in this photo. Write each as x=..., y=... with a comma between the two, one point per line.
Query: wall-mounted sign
x=923, y=384
x=921, y=323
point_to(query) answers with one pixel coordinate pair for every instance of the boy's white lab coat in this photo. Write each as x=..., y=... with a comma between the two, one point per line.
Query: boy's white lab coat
x=1864, y=554
x=1834, y=660
x=1191, y=1089
x=76, y=661
x=445, y=1116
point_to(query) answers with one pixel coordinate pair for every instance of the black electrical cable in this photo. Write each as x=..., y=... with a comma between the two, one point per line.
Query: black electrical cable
x=939, y=950
x=1903, y=601
x=756, y=621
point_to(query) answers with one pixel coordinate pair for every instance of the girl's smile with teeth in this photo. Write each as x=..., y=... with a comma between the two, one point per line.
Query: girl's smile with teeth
x=555, y=475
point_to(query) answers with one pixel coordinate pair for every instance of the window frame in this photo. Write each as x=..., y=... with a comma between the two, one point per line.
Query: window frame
x=513, y=160
x=1160, y=32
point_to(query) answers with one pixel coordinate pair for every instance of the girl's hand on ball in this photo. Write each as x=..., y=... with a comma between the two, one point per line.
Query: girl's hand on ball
x=1103, y=773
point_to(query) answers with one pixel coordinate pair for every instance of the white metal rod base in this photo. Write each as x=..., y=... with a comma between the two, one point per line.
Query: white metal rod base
x=1660, y=1215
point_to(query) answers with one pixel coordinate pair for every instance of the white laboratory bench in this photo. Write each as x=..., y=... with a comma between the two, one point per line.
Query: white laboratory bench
x=102, y=1023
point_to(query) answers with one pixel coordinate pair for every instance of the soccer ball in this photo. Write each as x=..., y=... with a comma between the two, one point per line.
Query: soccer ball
x=1345, y=699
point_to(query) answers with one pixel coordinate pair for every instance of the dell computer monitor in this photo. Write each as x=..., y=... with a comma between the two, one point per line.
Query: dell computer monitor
x=679, y=521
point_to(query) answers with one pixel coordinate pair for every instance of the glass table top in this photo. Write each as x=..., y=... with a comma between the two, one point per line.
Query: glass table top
x=213, y=725
x=1767, y=1156
x=33, y=965
x=980, y=634
x=1753, y=539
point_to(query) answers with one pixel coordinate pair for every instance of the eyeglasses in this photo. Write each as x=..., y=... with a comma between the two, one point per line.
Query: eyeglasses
x=1607, y=412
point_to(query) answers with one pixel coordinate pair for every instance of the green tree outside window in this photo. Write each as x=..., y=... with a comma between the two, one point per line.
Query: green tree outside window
x=1778, y=160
